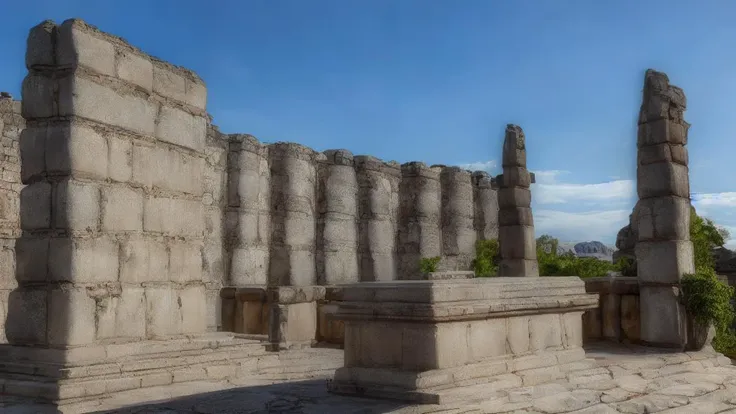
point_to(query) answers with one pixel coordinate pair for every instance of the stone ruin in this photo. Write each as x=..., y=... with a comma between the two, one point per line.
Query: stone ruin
x=142, y=247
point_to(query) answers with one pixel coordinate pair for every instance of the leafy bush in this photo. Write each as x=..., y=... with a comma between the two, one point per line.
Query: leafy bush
x=486, y=259
x=708, y=300
x=625, y=265
x=567, y=264
x=705, y=235
x=429, y=264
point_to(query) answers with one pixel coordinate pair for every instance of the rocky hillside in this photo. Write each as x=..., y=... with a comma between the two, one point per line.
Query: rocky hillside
x=587, y=249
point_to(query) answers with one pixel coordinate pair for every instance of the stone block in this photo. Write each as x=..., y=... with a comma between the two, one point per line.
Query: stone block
x=181, y=128
x=122, y=209
x=572, y=330
x=518, y=267
x=651, y=154
x=168, y=169
x=611, y=316
x=214, y=311
x=487, y=339
x=250, y=228
x=592, y=325
x=380, y=235
x=143, y=260
x=514, y=197
x=663, y=179
x=339, y=233
x=519, y=216
x=38, y=100
x=31, y=258
x=630, y=318
x=664, y=261
x=163, y=313
x=451, y=345
x=134, y=68
x=664, y=218
x=196, y=95
x=71, y=317
x=76, y=150
x=185, y=262
x=120, y=167
x=123, y=315
x=329, y=329
x=299, y=231
x=293, y=323
x=341, y=267
x=193, y=307
x=173, y=216
x=662, y=131
x=27, y=316
x=76, y=46
x=32, y=144
x=35, y=206
x=40, y=46
x=83, y=260
x=516, y=177
x=663, y=318
x=679, y=154
x=517, y=242
x=7, y=264
x=519, y=336
x=84, y=98
x=76, y=206
x=292, y=267
x=180, y=86
x=249, y=266
x=545, y=331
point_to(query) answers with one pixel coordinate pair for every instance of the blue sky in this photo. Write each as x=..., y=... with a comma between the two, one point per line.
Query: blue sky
x=437, y=81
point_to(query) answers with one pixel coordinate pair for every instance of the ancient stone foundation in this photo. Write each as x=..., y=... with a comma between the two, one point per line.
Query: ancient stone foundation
x=416, y=340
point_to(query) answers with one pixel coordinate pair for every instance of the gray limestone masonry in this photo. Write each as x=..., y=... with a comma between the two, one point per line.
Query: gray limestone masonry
x=663, y=250
x=128, y=212
x=516, y=224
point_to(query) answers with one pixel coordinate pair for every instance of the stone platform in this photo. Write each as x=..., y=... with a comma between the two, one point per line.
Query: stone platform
x=622, y=379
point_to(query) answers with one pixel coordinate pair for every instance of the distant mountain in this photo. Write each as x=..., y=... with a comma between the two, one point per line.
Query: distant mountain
x=587, y=249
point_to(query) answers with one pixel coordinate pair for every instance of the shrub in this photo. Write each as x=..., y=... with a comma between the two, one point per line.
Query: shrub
x=625, y=265
x=708, y=300
x=567, y=264
x=429, y=264
x=486, y=259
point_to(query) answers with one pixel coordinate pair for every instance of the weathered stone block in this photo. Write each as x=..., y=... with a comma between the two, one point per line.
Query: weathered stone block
x=517, y=242
x=185, y=262
x=173, y=216
x=518, y=267
x=679, y=154
x=7, y=264
x=83, y=260
x=662, y=131
x=120, y=166
x=122, y=209
x=122, y=315
x=35, y=206
x=181, y=128
x=38, y=97
x=27, y=316
x=516, y=177
x=514, y=197
x=293, y=323
x=664, y=261
x=517, y=329
x=663, y=179
x=663, y=318
x=73, y=149
x=572, y=330
x=32, y=143
x=143, y=260
x=545, y=331
x=163, y=313
x=249, y=266
x=31, y=257
x=329, y=330
x=40, y=45
x=77, y=46
x=651, y=154
x=71, y=317
x=519, y=216
x=611, y=316
x=630, y=318
x=487, y=339
x=664, y=218
x=193, y=308
x=76, y=206
x=341, y=267
x=592, y=325
x=85, y=98
x=292, y=267
x=168, y=169
x=134, y=68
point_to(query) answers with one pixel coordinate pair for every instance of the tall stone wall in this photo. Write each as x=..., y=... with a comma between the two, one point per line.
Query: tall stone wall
x=113, y=217
x=11, y=124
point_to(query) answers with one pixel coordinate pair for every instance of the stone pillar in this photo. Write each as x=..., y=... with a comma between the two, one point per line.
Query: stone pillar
x=112, y=214
x=485, y=204
x=419, y=215
x=337, y=228
x=458, y=232
x=516, y=224
x=248, y=212
x=378, y=211
x=663, y=250
x=293, y=206
x=11, y=124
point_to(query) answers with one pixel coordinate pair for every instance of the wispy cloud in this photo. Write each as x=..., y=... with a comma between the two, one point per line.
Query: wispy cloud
x=561, y=193
x=487, y=166
x=600, y=225
x=727, y=199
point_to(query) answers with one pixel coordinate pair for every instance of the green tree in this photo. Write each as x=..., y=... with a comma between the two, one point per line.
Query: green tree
x=705, y=236
x=487, y=258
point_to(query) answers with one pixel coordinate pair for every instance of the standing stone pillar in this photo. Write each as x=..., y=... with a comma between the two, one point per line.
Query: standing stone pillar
x=337, y=228
x=485, y=204
x=663, y=251
x=378, y=211
x=458, y=232
x=516, y=224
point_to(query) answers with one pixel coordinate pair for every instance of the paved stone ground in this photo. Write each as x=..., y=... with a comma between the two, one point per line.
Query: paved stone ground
x=627, y=380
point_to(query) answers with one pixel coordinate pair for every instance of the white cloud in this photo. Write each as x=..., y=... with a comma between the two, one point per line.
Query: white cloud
x=548, y=176
x=487, y=166
x=589, y=225
x=727, y=199
x=561, y=193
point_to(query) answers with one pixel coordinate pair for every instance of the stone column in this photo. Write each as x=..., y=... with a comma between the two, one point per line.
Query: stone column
x=248, y=212
x=293, y=206
x=378, y=194
x=112, y=214
x=337, y=228
x=516, y=225
x=485, y=204
x=458, y=232
x=420, y=212
x=663, y=251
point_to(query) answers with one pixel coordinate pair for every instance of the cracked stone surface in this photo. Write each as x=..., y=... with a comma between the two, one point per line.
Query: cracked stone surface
x=629, y=379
